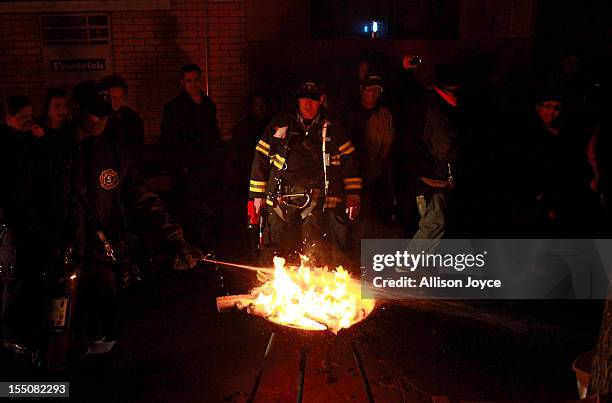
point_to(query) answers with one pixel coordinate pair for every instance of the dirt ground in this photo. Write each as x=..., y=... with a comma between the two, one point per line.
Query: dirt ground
x=176, y=347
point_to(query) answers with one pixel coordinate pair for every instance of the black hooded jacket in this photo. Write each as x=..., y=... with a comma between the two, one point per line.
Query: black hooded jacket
x=442, y=135
x=102, y=191
x=186, y=123
x=53, y=198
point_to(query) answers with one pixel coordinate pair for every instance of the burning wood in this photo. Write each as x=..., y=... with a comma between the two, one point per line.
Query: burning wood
x=305, y=298
x=232, y=302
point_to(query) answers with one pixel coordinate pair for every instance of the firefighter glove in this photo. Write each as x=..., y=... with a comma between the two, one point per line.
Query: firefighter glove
x=187, y=258
x=259, y=203
x=353, y=202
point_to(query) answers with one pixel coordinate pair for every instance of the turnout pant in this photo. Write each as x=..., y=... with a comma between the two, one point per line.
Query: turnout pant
x=296, y=235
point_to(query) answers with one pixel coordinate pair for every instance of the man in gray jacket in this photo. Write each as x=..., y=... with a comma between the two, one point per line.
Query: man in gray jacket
x=372, y=130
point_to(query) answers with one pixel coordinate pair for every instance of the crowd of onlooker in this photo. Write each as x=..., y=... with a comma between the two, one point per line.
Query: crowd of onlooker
x=519, y=150
x=471, y=154
x=74, y=210
x=465, y=156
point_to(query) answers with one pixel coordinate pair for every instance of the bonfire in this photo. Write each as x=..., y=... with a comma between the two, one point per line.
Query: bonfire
x=305, y=297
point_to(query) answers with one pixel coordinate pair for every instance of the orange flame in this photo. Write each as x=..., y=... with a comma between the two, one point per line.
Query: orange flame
x=313, y=299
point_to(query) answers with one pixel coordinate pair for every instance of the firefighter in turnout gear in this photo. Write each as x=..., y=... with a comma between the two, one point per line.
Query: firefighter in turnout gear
x=304, y=167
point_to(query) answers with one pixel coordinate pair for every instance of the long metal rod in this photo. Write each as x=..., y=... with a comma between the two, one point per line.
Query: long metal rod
x=239, y=266
x=300, y=391
x=362, y=371
x=255, y=387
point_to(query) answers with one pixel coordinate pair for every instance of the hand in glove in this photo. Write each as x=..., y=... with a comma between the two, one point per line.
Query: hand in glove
x=353, y=202
x=187, y=258
x=259, y=203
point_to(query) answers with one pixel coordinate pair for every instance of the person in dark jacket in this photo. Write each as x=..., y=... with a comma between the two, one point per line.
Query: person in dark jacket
x=101, y=179
x=55, y=114
x=442, y=136
x=551, y=187
x=191, y=117
x=124, y=123
x=189, y=123
x=26, y=242
x=289, y=175
x=57, y=139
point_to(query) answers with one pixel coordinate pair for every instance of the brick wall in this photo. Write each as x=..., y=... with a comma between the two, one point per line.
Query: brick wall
x=271, y=20
x=20, y=56
x=148, y=48
x=228, y=61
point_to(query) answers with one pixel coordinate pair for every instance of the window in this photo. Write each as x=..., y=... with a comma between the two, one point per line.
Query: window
x=63, y=30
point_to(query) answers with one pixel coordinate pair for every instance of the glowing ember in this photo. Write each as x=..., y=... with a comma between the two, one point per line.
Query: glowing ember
x=314, y=299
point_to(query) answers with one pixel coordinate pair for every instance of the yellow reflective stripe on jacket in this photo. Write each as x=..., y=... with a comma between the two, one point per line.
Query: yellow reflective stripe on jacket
x=257, y=186
x=335, y=159
x=352, y=183
x=346, y=148
x=279, y=161
x=263, y=148
x=264, y=144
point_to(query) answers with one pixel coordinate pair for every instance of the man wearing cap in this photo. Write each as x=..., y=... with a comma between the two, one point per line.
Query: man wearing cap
x=304, y=165
x=100, y=185
x=373, y=131
x=441, y=135
x=370, y=126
